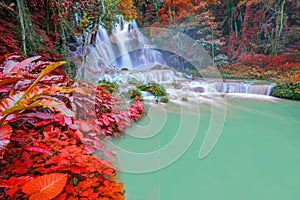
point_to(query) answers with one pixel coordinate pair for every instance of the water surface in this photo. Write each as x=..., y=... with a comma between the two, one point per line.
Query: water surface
x=256, y=157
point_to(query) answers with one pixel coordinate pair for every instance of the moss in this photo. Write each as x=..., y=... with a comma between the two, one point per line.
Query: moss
x=287, y=90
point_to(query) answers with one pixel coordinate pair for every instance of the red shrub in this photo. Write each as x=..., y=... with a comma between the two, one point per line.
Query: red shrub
x=52, y=129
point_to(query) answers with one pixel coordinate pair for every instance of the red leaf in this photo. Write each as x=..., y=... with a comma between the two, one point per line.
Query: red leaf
x=45, y=187
x=7, y=81
x=39, y=115
x=72, y=198
x=21, y=65
x=70, y=189
x=25, y=155
x=21, y=170
x=62, y=196
x=77, y=169
x=39, y=149
x=5, y=132
x=109, y=172
x=87, y=192
x=11, y=192
x=43, y=123
x=27, y=159
x=61, y=107
x=18, y=181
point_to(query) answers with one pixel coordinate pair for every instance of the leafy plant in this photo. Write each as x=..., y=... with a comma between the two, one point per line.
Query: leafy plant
x=287, y=90
x=135, y=94
x=154, y=88
x=111, y=87
x=56, y=147
x=45, y=187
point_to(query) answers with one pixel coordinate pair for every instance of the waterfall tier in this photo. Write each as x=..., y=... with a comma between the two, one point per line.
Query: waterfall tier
x=168, y=77
x=160, y=76
x=126, y=47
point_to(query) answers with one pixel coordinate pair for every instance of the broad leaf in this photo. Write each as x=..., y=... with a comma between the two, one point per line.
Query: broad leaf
x=7, y=81
x=39, y=150
x=45, y=187
x=5, y=132
x=45, y=71
x=58, y=106
x=21, y=65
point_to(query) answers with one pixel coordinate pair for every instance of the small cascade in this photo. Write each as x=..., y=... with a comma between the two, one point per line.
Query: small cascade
x=243, y=87
x=160, y=76
x=260, y=89
x=235, y=87
x=168, y=76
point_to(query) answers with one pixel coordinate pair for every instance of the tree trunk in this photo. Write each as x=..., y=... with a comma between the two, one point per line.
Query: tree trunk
x=29, y=38
x=21, y=18
x=281, y=26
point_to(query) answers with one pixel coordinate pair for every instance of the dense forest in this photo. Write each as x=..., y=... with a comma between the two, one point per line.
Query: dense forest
x=239, y=35
x=43, y=119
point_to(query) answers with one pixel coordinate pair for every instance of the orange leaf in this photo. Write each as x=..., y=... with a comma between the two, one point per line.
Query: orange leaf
x=45, y=187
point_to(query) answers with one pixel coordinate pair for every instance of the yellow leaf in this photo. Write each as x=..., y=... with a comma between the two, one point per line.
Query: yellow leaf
x=45, y=71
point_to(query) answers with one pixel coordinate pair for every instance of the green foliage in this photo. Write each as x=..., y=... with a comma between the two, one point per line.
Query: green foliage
x=164, y=99
x=287, y=90
x=111, y=87
x=154, y=88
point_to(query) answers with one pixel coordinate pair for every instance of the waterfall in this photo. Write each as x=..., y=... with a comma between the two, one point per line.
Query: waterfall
x=126, y=47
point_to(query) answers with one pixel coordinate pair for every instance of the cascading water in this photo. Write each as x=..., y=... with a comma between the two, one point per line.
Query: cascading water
x=126, y=47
